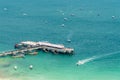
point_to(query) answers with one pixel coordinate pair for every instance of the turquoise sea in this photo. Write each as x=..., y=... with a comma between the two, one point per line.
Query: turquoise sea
x=93, y=26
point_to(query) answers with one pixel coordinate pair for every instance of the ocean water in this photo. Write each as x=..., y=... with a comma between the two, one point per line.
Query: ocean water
x=93, y=26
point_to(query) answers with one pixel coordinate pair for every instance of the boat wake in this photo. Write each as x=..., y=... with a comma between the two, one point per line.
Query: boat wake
x=70, y=36
x=81, y=62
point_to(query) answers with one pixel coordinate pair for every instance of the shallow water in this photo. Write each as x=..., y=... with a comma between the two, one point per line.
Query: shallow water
x=92, y=32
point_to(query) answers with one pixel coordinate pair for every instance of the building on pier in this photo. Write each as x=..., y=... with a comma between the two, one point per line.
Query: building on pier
x=45, y=46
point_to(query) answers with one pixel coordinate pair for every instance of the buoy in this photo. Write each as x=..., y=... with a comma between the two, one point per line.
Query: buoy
x=31, y=66
x=65, y=19
x=69, y=40
x=15, y=67
x=5, y=9
x=24, y=14
x=113, y=17
x=62, y=25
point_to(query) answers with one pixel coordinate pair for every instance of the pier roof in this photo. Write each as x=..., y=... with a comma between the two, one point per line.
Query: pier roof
x=29, y=43
x=42, y=44
x=49, y=44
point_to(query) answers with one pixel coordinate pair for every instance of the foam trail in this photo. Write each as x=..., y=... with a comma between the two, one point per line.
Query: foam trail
x=81, y=62
x=70, y=35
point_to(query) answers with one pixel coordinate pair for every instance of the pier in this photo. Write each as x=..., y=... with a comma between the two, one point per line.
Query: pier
x=20, y=52
x=30, y=47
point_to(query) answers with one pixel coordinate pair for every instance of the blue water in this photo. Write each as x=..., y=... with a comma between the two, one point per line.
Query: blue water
x=92, y=31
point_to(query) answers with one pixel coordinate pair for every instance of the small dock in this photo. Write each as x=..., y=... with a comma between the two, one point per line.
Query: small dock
x=30, y=47
x=18, y=52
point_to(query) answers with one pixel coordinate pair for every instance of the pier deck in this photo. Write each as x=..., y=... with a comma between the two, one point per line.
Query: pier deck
x=18, y=51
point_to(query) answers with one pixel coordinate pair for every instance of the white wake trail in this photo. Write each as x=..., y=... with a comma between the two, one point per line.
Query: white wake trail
x=70, y=35
x=81, y=62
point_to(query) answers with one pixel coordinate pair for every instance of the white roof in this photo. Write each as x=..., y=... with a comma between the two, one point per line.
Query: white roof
x=49, y=44
x=42, y=43
x=29, y=43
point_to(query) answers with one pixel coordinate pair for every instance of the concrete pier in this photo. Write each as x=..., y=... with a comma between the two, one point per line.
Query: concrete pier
x=45, y=46
x=28, y=47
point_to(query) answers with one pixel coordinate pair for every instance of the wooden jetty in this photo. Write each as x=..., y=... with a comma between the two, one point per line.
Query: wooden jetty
x=29, y=47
